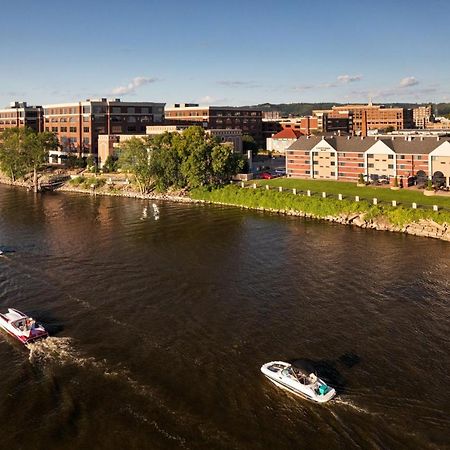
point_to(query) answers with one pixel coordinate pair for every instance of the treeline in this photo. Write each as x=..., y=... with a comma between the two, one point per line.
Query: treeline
x=305, y=109
x=189, y=159
x=22, y=151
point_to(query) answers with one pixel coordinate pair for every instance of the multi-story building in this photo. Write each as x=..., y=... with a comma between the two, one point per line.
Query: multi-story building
x=346, y=157
x=371, y=117
x=422, y=116
x=249, y=120
x=439, y=123
x=280, y=141
x=79, y=124
x=109, y=144
x=20, y=115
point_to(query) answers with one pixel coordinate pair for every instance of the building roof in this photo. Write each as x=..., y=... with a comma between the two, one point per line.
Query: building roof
x=287, y=133
x=402, y=145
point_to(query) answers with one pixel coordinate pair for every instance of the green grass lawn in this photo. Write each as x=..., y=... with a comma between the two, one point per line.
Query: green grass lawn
x=404, y=197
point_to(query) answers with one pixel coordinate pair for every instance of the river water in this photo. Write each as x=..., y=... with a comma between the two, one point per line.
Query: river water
x=160, y=324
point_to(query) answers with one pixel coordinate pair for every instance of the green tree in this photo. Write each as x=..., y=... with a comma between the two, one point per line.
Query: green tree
x=110, y=164
x=165, y=162
x=225, y=163
x=12, y=155
x=134, y=157
x=249, y=143
x=37, y=147
x=23, y=150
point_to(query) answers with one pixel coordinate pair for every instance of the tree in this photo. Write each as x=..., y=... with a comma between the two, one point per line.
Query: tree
x=37, y=149
x=110, y=164
x=134, y=157
x=249, y=143
x=23, y=150
x=165, y=163
x=225, y=163
x=12, y=156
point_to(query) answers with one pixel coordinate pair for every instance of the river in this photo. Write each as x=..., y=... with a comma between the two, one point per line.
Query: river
x=160, y=322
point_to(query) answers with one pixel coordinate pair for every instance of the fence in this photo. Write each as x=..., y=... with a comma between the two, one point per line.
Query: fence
x=355, y=198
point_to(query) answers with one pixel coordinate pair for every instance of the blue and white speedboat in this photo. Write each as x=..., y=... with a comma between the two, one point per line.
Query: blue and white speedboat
x=298, y=381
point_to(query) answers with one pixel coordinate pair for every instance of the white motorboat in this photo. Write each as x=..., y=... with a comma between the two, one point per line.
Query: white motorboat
x=298, y=381
x=24, y=328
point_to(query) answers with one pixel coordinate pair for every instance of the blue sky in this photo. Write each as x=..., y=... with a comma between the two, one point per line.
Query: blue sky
x=225, y=52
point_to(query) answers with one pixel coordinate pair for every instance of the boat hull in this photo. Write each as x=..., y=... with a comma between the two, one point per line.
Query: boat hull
x=278, y=373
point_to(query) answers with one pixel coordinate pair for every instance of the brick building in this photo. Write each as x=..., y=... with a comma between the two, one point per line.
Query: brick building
x=109, y=144
x=20, y=115
x=79, y=124
x=422, y=116
x=374, y=117
x=249, y=120
x=346, y=157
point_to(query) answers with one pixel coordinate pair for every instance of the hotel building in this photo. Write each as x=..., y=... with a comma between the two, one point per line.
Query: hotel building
x=346, y=157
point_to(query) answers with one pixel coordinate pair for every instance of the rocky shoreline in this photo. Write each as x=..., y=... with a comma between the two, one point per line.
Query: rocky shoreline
x=423, y=228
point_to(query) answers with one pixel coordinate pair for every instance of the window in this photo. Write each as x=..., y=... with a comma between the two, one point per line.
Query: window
x=370, y=166
x=63, y=129
x=342, y=164
x=333, y=163
x=390, y=156
x=402, y=156
x=116, y=110
x=370, y=155
x=360, y=164
x=390, y=166
x=306, y=153
x=132, y=119
x=55, y=129
x=308, y=172
x=73, y=129
x=402, y=166
x=360, y=155
x=86, y=129
x=131, y=110
x=333, y=174
x=316, y=172
x=47, y=129
x=419, y=157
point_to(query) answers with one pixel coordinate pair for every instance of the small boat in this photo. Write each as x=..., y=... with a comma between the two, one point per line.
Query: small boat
x=298, y=381
x=24, y=328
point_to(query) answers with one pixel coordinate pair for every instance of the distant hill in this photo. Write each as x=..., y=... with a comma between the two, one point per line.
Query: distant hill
x=305, y=109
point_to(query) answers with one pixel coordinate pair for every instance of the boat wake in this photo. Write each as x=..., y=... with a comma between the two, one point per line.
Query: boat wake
x=62, y=351
x=349, y=404
x=59, y=350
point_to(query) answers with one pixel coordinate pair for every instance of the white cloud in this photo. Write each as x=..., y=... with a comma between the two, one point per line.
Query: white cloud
x=209, y=100
x=408, y=82
x=237, y=83
x=131, y=87
x=345, y=79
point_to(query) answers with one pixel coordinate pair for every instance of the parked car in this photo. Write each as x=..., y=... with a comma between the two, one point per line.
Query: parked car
x=266, y=176
x=280, y=171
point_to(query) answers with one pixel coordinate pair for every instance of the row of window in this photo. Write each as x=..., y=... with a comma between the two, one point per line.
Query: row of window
x=64, y=129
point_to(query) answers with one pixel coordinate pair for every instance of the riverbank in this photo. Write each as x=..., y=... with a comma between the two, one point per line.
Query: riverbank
x=424, y=223
x=417, y=222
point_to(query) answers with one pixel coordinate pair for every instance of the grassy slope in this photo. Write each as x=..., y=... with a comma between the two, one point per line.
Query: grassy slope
x=403, y=196
x=317, y=206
